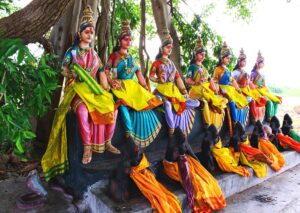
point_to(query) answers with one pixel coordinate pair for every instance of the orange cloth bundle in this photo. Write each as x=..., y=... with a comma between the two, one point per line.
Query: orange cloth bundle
x=254, y=158
x=162, y=200
x=272, y=153
x=207, y=192
x=288, y=142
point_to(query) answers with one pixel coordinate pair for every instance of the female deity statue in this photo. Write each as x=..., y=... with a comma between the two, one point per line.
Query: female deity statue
x=170, y=88
x=204, y=89
x=258, y=102
x=142, y=124
x=229, y=88
x=93, y=105
x=259, y=83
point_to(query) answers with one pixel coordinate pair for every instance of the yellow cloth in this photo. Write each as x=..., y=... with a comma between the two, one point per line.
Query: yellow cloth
x=212, y=117
x=260, y=168
x=104, y=104
x=207, y=192
x=272, y=152
x=239, y=99
x=172, y=93
x=227, y=160
x=135, y=96
x=253, y=93
x=161, y=200
x=55, y=160
x=265, y=92
x=204, y=91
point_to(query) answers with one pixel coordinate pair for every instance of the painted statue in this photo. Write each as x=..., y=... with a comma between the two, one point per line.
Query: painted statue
x=93, y=105
x=238, y=103
x=136, y=102
x=204, y=89
x=179, y=110
x=259, y=83
x=257, y=101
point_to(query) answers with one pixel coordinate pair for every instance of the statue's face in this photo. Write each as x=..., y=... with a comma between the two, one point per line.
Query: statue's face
x=226, y=60
x=261, y=65
x=200, y=56
x=126, y=42
x=87, y=35
x=243, y=63
x=167, y=50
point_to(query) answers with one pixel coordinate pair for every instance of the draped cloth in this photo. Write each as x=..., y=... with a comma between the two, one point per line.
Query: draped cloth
x=272, y=153
x=161, y=200
x=100, y=105
x=207, y=192
x=254, y=158
x=288, y=142
x=228, y=160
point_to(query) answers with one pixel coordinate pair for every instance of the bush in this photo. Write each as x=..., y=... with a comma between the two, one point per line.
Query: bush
x=25, y=92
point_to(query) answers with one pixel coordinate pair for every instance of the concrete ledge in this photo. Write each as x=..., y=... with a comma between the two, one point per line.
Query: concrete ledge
x=98, y=201
x=233, y=183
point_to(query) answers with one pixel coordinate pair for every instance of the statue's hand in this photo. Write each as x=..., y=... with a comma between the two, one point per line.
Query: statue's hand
x=115, y=84
x=162, y=77
x=73, y=74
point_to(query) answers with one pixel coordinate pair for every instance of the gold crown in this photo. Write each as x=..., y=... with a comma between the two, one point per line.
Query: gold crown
x=87, y=16
x=125, y=29
x=199, y=45
x=242, y=54
x=225, y=51
x=166, y=37
x=260, y=58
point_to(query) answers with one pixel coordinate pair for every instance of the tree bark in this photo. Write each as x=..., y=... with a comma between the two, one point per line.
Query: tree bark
x=33, y=21
x=162, y=17
x=142, y=36
x=102, y=30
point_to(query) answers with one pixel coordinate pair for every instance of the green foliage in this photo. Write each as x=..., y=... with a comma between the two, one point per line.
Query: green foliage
x=7, y=7
x=241, y=9
x=25, y=92
x=188, y=33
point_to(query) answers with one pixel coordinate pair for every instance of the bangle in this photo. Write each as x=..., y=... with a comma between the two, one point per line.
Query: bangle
x=183, y=91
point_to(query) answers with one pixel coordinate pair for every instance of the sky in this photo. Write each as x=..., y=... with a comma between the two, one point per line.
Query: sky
x=274, y=30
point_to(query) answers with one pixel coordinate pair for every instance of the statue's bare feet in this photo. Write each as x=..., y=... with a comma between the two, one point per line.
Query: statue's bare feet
x=112, y=149
x=87, y=155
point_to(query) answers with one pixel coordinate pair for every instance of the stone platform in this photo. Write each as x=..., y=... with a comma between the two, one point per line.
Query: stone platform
x=98, y=201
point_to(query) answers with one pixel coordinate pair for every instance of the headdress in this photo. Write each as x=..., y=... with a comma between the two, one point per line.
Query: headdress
x=87, y=18
x=260, y=58
x=225, y=51
x=125, y=29
x=242, y=55
x=166, y=38
x=199, y=46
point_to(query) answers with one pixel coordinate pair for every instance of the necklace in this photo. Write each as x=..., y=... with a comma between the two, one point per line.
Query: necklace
x=81, y=54
x=125, y=57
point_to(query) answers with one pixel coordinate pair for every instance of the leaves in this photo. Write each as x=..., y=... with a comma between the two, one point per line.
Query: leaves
x=25, y=92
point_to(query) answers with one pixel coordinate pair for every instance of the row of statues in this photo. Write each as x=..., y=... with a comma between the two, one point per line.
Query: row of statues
x=98, y=94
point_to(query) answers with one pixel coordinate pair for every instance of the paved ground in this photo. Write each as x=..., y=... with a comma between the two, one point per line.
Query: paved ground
x=14, y=188
x=278, y=194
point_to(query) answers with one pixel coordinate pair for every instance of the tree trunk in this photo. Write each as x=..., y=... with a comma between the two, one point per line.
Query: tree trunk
x=142, y=36
x=162, y=16
x=33, y=21
x=102, y=30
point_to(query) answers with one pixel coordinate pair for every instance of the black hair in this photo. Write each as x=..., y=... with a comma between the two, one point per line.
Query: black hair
x=77, y=36
x=159, y=55
x=193, y=60
x=254, y=68
x=237, y=66
x=117, y=47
